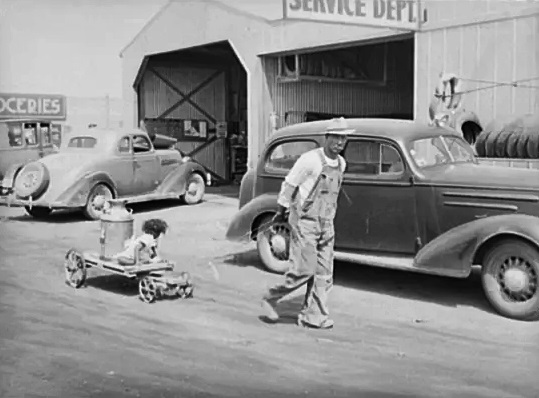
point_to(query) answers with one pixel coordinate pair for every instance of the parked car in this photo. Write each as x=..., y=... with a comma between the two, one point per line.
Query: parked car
x=26, y=140
x=414, y=198
x=107, y=163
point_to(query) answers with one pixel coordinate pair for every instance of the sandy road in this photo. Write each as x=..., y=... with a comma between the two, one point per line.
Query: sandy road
x=397, y=334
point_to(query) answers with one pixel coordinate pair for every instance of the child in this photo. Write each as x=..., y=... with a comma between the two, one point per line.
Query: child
x=145, y=245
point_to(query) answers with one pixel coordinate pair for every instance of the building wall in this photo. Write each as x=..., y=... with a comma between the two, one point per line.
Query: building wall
x=501, y=45
x=345, y=98
x=103, y=111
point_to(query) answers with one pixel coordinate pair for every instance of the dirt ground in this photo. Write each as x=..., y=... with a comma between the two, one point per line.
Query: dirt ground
x=397, y=334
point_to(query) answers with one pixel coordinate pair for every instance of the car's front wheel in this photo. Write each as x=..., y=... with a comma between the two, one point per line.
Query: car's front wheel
x=195, y=187
x=510, y=278
x=38, y=212
x=273, y=244
x=94, y=208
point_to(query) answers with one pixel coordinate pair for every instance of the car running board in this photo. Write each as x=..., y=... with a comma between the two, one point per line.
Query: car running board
x=401, y=263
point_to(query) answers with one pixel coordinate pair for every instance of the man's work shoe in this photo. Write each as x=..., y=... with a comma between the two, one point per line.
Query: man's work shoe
x=326, y=324
x=269, y=308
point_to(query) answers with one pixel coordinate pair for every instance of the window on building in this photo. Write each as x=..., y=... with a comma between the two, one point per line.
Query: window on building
x=46, y=134
x=283, y=156
x=15, y=135
x=30, y=134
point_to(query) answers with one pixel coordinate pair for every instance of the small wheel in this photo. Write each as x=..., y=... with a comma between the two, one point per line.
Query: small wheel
x=510, y=278
x=75, y=268
x=195, y=188
x=147, y=289
x=186, y=291
x=38, y=211
x=93, y=210
x=273, y=245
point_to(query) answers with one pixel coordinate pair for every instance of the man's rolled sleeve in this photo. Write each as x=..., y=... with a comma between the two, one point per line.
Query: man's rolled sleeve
x=296, y=176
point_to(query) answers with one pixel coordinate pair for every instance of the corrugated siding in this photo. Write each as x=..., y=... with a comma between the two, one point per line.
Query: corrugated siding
x=345, y=98
x=157, y=97
x=499, y=52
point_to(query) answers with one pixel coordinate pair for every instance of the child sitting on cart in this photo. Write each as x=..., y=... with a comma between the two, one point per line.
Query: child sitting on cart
x=144, y=247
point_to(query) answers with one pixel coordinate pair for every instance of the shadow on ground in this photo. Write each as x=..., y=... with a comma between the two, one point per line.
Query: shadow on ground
x=114, y=284
x=72, y=216
x=450, y=292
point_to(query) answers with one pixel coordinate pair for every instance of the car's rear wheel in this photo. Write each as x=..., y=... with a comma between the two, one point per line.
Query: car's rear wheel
x=510, y=278
x=195, y=187
x=273, y=244
x=94, y=209
x=38, y=211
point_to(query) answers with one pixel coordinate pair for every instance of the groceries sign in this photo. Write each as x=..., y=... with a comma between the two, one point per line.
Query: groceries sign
x=401, y=14
x=38, y=106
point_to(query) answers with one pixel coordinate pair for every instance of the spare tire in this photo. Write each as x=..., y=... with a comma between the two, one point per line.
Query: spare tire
x=490, y=143
x=480, y=143
x=522, y=146
x=511, y=145
x=532, y=146
x=32, y=180
x=501, y=142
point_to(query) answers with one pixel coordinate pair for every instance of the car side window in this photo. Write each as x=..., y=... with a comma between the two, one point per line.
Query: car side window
x=283, y=156
x=362, y=157
x=141, y=144
x=391, y=160
x=82, y=142
x=123, y=145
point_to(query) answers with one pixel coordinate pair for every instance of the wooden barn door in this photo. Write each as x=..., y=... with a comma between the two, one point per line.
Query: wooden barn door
x=186, y=102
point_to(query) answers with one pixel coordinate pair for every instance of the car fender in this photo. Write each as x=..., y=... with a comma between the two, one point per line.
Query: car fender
x=241, y=226
x=77, y=193
x=176, y=181
x=454, y=252
x=12, y=171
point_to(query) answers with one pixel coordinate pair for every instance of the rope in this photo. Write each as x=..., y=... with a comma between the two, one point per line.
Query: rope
x=515, y=84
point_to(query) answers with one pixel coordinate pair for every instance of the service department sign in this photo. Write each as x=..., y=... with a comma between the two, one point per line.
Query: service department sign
x=400, y=14
x=38, y=106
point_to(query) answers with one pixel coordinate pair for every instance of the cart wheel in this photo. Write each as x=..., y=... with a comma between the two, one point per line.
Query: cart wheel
x=188, y=291
x=147, y=290
x=75, y=268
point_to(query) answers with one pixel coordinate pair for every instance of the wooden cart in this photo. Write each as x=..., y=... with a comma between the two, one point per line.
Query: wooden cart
x=156, y=279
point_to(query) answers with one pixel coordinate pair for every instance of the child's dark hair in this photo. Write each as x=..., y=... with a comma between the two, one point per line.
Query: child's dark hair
x=154, y=227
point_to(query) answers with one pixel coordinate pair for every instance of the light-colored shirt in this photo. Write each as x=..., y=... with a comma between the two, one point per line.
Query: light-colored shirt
x=149, y=244
x=304, y=174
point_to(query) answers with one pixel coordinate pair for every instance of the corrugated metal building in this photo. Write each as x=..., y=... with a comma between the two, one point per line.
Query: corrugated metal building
x=199, y=63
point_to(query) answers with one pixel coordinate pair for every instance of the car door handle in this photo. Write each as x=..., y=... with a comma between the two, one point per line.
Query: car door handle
x=481, y=216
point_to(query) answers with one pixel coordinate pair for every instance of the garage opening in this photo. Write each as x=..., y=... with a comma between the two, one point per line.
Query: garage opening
x=198, y=95
x=374, y=79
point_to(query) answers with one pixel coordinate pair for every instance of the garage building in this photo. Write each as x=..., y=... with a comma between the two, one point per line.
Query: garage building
x=208, y=71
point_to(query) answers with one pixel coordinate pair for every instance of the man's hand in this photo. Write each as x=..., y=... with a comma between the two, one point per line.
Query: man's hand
x=281, y=216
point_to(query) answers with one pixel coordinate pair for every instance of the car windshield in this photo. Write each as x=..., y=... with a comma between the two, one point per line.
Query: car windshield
x=443, y=149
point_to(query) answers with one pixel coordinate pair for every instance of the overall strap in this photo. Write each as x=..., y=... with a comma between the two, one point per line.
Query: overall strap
x=324, y=164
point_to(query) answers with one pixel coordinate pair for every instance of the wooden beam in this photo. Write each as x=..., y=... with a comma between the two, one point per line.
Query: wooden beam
x=186, y=97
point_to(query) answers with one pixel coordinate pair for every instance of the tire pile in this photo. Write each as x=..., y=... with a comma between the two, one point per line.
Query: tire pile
x=515, y=138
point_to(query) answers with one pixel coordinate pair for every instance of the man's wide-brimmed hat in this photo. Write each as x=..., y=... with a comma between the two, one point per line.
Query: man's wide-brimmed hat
x=339, y=126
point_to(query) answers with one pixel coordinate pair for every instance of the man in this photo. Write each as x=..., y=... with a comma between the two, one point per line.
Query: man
x=308, y=201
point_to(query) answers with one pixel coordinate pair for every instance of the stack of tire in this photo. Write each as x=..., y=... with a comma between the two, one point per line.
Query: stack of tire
x=516, y=137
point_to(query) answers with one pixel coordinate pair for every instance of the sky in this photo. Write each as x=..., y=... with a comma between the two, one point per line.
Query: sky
x=68, y=47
